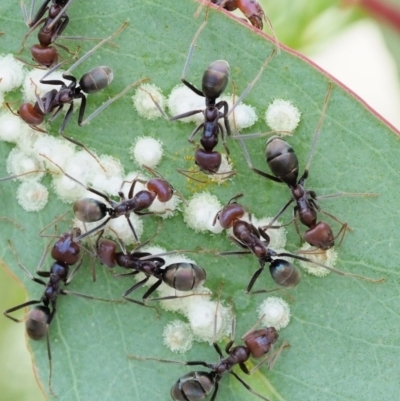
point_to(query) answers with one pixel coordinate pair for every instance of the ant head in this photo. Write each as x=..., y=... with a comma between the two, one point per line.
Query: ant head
x=36, y=323
x=208, y=162
x=215, y=79
x=229, y=214
x=321, y=236
x=105, y=250
x=31, y=114
x=162, y=188
x=259, y=342
x=45, y=56
x=65, y=249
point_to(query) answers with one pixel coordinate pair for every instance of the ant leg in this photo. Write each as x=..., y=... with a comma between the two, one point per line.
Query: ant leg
x=316, y=135
x=93, y=230
x=276, y=217
x=188, y=114
x=27, y=272
x=108, y=102
x=79, y=294
x=253, y=82
x=189, y=363
x=12, y=222
x=254, y=279
x=90, y=52
x=270, y=359
x=138, y=285
x=15, y=308
x=340, y=194
x=250, y=164
x=72, y=274
x=337, y=271
x=240, y=380
x=190, y=53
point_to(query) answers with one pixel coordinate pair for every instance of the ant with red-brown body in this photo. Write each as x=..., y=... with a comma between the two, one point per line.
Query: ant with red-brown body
x=53, y=25
x=283, y=162
x=256, y=241
x=197, y=385
x=65, y=253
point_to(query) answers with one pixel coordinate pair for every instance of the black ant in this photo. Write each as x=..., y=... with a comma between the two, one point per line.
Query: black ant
x=214, y=82
x=53, y=101
x=283, y=162
x=55, y=23
x=181, y=276
x=89, y=210
x=66, y=253
x=256, y=241
x=197, y=385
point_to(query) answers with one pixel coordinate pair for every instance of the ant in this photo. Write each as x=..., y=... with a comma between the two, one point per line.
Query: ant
x=283, y=162
x=250, y=8
x=181, y=276
x=65, y=253
x=53, y=101
x=197, y=385
x=89, y=210
x=256, y=241
x=55, y=23
x=214, y=82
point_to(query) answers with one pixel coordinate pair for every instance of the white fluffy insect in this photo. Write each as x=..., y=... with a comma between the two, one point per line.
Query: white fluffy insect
x=11, y=73
x=178, y=336
x=275, y=312
x=147, y=150
x=244, y=115
x=20, y=163
x=181, y=100
x=327, y=257
x=200, y=212
x=32, y=196
x=282, y=115
x=12, y=127
x=144, y=104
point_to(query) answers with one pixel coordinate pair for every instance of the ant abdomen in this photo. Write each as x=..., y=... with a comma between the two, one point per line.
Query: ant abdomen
x=193, y=386
x=282, y=160
x=184, y=276
x=284, y=273
x=36, y=323
x=89, y=210
x=260, y=341
x=96, y=79
x=215, y=79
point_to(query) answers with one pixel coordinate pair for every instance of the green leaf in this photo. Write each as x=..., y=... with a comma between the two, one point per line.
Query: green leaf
x=343, y=333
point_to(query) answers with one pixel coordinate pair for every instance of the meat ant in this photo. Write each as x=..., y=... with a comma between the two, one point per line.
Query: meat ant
x=53, y=101
x=214, y=82
x=53, y=25
x=65, y=253
x=256, y=241
x=283, y=162
x=181, y=276
x=197, y=385
x=89, y=210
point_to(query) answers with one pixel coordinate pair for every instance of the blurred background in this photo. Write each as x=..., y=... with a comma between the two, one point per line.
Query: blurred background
x=356, y=41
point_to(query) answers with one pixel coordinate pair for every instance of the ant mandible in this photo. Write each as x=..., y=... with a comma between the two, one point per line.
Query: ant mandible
x=197, y=385
x=181, y=276
x=65, y=253
x=214, y=81
x=283, y=162
x=256, y=241
x=55, y=23
x=53, y=101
